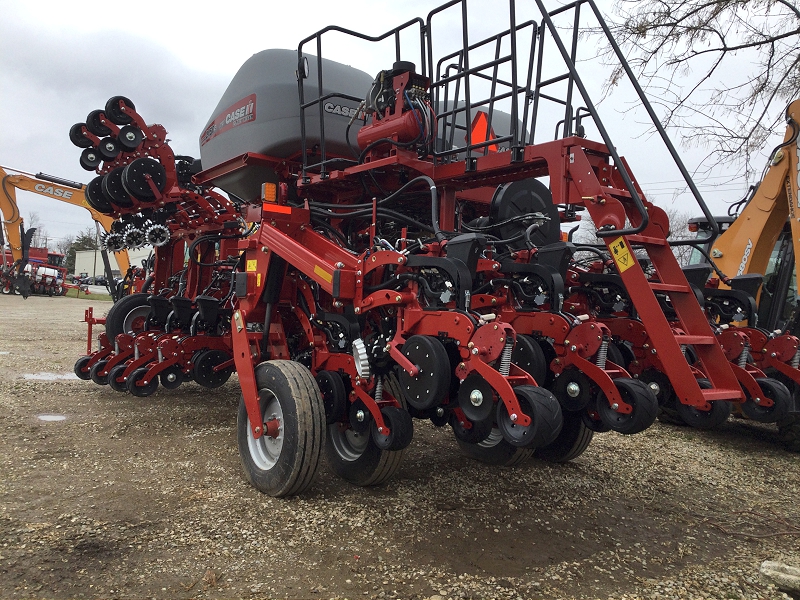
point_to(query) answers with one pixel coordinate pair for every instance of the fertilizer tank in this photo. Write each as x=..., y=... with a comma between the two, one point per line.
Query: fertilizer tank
x=260, y=113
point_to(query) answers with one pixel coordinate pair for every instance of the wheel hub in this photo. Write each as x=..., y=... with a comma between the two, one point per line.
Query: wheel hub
x=573, y=389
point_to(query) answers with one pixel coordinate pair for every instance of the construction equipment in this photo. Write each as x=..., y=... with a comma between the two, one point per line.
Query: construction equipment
x=59, y=189
x=411, y=269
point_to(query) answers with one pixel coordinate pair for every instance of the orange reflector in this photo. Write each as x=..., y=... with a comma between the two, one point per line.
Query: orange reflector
x=480, y=125
x=269, y=192
x=692, y=227
x=276, y=208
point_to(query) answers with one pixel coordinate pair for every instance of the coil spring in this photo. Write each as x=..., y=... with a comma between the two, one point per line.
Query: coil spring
x=683, y=350
x=744, y=355
x=378, y=388
x=602, y=353
x=505, y=358
x=796, y=359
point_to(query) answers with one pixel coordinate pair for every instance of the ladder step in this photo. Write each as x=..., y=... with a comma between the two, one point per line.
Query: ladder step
x=670, y=287
x=647, y=239
x=696, y=340
x=720, y=394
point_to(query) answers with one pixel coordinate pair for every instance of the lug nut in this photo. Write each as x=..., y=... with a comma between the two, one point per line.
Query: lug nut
x=360, y=416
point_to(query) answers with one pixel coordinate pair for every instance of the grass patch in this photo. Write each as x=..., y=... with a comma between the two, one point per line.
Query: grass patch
x=74, y=293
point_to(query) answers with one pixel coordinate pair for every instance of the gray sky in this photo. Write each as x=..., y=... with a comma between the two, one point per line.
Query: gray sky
x=61, y=59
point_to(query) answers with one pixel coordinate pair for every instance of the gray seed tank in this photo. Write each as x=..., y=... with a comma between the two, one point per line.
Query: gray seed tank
x=260, y=112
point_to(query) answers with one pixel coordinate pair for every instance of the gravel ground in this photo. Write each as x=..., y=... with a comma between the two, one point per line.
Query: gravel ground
x=145, y=498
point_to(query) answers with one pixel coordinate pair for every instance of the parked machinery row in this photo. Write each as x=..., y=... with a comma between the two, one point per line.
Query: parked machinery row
x=413, y=268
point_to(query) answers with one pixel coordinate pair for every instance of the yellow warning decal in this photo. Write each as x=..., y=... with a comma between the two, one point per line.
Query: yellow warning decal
x=622, y=255
x=252, y=265
x=258, y=280
x=323, y=273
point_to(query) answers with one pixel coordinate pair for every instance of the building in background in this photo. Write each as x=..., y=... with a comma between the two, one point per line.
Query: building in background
x=91, y=261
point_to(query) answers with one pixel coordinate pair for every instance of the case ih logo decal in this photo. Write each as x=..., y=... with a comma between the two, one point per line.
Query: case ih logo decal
x=338, y=109
x=53, y=191
x=243, y=111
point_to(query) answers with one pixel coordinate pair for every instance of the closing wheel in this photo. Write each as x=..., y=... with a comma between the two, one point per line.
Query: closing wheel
x=129, y=138
x=431, y=385
x=545, y=413
x=204, y=372
x=529, y=356
x=136, y=175
x=401, y=429
x=127, y=315
x=96, y=198
x=284, y=460
x=479, y=431
x=642, y=400
x=113, y=190
x=334, y=395
x=116, y=381
x=114, y=112
x=76, y=136
x=136, y=383
x=171, y=378
x=571, y=442
x=495, y=450
x=704, y=419
x=95, y=373
x=94, y=123
x=355, y=457
x=90, y=159
x=476, y=398
x=781, y=402
x=80, y=369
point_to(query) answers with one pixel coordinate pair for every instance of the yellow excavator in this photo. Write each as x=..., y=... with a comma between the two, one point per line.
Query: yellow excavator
x=762, y=236
x=56, y=188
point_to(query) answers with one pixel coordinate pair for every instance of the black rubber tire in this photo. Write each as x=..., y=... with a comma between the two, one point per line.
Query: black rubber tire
x=529, y=356
x=76, y=136
x=495, y=451
x=90, y=159
x=401, y=427
x=109, y=148
x=432, y=383
x=206, y=360
x=113, y=190
x=130, y=138
x=115, y=373
x=479, y=431
x=134, y=182
x=94, y=124
x=114, y=112
x=617, y=355
x=124, y=312
x=643, y=400
x=789, y=432
x=80, y=369
x=289, y=388
x=571, y=442
x=719, y=413
x=545, y=412
x=94, y=373
x=354, y=456
x=141, y=391
x=334, y=395
x=171, y=378
x=775, y=391
x=96, y=198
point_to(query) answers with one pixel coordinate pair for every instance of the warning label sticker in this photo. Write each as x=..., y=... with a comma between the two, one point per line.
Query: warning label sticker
x=622, y=255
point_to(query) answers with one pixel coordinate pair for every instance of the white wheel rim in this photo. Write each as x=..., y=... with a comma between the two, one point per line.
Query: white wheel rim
x=136, y=313
x=495, y=437
x=265, y=451
x=349, y=444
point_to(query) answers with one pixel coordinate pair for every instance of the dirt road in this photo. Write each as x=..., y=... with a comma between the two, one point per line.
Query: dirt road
x=132, y=498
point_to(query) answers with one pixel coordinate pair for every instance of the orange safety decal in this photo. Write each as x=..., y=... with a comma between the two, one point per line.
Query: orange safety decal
x=479, y=134
x=622, y=254
x=323, y=273
x=252, y=265
x=277, y=208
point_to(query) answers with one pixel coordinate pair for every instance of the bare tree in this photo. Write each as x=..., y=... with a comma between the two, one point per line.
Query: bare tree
x=723, y=70
x=41, y=236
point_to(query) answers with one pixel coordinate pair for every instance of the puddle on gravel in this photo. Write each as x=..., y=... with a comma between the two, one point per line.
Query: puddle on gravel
x=49, y=376
x=51, y=417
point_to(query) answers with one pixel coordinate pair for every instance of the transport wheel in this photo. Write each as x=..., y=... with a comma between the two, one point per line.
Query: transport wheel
x=355, y=457
x=529, y=356
x=94, y=372
x=775, y=391
x=115, y=379
x=76, y=136
x=789, y=432
x=203, y=372
x=127, y=315
x=96, y=198
x=90, y=159
x=95, y=125
x=432, y=384
x=171, y=378
x=704, y=419
x=571, y=442
x=141, y=391
x=640, y=397
x=114, y=112
x=495, y=451
x=113, y=190
x=130, y=137
x=334, y=395
x=80, y=367
x=285, y=463
x=134, y=178
x=545, y=413
x=401, y=428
